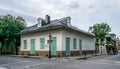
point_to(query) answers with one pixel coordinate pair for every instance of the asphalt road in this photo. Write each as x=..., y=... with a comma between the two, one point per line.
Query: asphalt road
x=99, y=62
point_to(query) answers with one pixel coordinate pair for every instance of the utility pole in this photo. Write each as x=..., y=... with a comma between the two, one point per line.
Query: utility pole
x=49, y=42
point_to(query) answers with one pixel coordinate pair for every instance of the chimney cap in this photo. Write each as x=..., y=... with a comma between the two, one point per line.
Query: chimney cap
x=47, y=16
x=40, y=18
x=47, y=19
x=69, y=17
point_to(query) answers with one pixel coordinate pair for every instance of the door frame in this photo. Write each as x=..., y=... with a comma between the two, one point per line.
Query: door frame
x=32, y=52
x=67, y=39
x=54, y=49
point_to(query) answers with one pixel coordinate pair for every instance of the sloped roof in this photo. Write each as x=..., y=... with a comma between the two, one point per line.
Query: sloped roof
x=58, y=23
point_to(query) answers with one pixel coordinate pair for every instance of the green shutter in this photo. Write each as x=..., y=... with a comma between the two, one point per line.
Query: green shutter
x=25, y=44
x=80, y=46
x=74, y=43
x=42, y=43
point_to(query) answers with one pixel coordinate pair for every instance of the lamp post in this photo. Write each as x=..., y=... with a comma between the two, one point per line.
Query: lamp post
x=49, y=42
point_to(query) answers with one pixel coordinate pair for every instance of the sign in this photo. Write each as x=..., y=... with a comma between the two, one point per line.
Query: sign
x=49, y=41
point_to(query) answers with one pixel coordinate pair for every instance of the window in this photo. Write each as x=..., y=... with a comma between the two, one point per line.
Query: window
x=42, y=43
x=74, y=43
x=25, y=44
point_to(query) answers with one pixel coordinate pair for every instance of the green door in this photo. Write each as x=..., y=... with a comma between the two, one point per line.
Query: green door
x=53, y=46
x=67, y=46
x=80, y=46
x=32, y=51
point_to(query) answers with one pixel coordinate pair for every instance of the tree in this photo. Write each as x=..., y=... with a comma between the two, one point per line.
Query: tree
x=100, y=31
x=10, y=28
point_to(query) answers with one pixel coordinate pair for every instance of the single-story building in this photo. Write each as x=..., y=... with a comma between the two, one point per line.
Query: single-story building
x=67, y=40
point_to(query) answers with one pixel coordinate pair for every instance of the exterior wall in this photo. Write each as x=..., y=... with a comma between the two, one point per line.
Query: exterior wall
x=88, y=43
x=118, y=43
x=102, y=49
x=55, y=33
x=118, y=47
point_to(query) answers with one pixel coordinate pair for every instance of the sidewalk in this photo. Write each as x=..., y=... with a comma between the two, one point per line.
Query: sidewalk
x=69, y=57
x=42, y=57
x=25, y=56
x=80, y=57
x=75, y=57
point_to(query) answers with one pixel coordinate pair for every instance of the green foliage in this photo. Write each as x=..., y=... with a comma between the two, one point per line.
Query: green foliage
x=10, y=28
x=100, y=30
x=110, y=42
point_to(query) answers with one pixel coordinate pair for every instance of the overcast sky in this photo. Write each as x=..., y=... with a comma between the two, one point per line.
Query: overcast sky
x=84, y=13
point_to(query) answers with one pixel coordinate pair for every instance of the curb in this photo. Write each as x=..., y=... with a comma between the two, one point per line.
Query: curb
x=77, y=57
x=25, y=56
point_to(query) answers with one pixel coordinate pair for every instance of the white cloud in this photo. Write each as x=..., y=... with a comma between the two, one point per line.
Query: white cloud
x=83, y=12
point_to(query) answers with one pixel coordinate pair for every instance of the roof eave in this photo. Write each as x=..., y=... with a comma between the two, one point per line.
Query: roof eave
x=55, y=27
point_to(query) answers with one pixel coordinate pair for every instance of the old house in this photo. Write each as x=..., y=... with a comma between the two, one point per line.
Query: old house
x=67, y=40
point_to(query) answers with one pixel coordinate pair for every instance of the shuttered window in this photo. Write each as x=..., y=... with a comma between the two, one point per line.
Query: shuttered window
x=25, y=44
x=42, y=43
x=74, y=43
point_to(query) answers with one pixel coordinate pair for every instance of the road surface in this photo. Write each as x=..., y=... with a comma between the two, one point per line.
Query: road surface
x=99, y=62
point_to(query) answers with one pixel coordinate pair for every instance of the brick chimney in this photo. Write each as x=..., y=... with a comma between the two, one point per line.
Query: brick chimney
x=39, y=22
x=47, y=19
x=68, y=21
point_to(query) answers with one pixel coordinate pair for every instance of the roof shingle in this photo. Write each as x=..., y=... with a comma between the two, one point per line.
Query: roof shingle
x=54, y=24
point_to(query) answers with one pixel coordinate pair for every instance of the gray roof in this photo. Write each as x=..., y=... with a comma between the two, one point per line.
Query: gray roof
x=58, y=23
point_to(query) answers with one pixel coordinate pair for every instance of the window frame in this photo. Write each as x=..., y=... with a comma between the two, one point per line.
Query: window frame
x=74, y=43
x=24, y=44
x=42, y=39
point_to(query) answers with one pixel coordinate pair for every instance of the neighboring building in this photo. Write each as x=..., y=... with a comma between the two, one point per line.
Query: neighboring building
x=103, y=47
x=118, y=43
x=67, y=40
x=110, y=41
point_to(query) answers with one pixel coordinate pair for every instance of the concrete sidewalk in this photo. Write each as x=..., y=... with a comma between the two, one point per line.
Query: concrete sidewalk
x=78, y=57
x=25, y=56
x=68, y=57
x=81, y=57
x=42, y=57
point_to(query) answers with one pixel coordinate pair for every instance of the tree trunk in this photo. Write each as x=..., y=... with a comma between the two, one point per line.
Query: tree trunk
x=17, y=50
x=11, y=50
x=1, y=50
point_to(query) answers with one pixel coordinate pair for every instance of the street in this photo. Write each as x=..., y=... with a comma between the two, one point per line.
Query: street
x=96, y=62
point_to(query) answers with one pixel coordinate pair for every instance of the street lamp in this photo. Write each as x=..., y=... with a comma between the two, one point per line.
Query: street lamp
x=49, y=42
